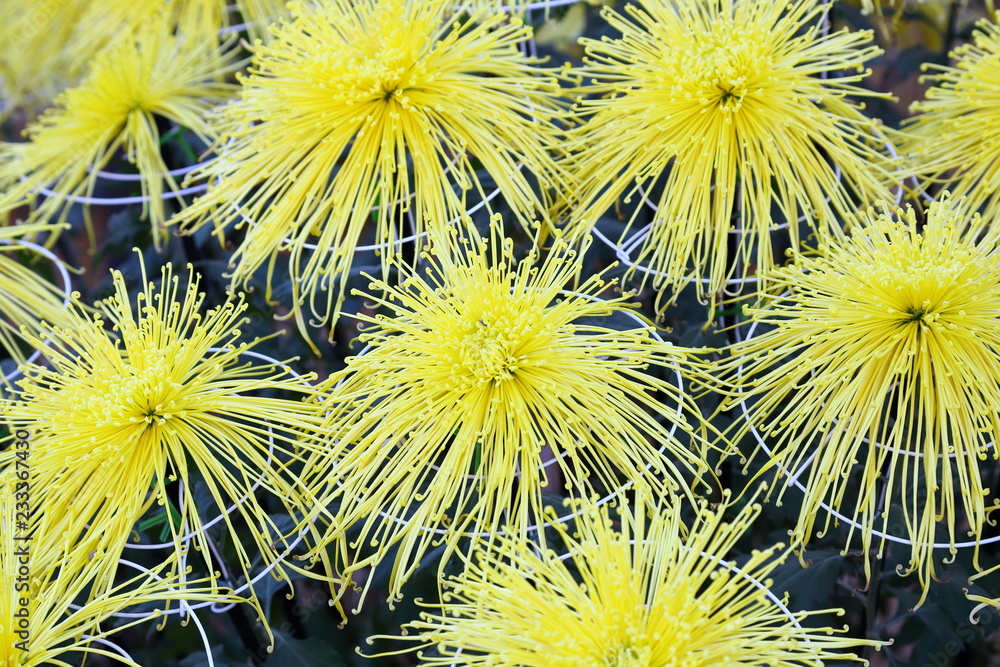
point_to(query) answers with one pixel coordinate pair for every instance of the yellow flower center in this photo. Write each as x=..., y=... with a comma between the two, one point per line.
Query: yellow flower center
x=934, y=293
x=723, y=72
x=135, y=99
x=380, y=64
x=628, y=656
x=487, y=352
x=145, y=393
x=378, y=74
x=123, y=399
x=492, y=335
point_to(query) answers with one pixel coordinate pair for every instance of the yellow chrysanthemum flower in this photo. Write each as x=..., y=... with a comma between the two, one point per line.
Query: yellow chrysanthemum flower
x=379, y=110
x=35, y=63
x=436, y=430
x=738, y=108
x=630, y=591
x=49, y=44
x=125, y=420
x=878, y=366
x=46, y=611
x=153, y=73
x=26, y=298
x=954, y=138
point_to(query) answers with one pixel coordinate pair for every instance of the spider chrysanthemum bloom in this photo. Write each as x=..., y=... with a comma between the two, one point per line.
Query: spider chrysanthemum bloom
x=631, y=591
x=954, y=138
x=35, y=63
x=379, y=110
x=479, y=363
x=50, y=43
x=126, y=419
x=740, y=108
x=153, y=73
x=881, y=362
x=46, y=611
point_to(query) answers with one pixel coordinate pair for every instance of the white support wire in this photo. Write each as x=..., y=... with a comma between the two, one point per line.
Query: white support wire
x=114, y=647
x=187, y=611
x=398, y=243
x=136, y=178
x=66, y=284
x=131, y=178
x=187, y=608
x=623, y=255
x=121, y=201
x=184, y=610
x=213, y=605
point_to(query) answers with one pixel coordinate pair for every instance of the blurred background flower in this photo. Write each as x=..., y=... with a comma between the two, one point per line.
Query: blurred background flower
x=151, y=74
x=953, y=140
x=50, y=43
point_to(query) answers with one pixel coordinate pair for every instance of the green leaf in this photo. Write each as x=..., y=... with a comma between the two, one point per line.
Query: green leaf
x=808, y=587
x=292, y=652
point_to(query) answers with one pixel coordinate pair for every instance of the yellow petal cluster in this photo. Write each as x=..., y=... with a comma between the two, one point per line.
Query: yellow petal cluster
x=637, y=589
x=123, y=420
x=26, y=298
x=49, y=588
x=374, y=112
x=728, y=145
x=877, y=369
x=732, y=107
x=34, y=63
x=436, y=431
x=954, y=137
x=152, y=74
x=49, y=44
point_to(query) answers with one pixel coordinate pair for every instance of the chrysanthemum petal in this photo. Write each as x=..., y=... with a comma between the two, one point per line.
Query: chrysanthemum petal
x=151, y=73
x=124, y=420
